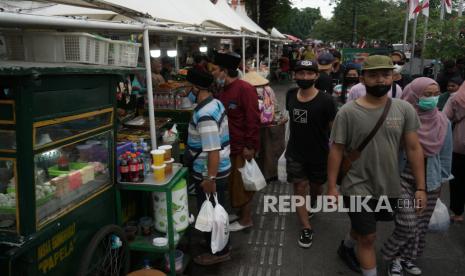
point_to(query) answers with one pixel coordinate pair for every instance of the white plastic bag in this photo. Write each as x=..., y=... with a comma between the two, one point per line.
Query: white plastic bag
x=282, y=173
x=169, y=136
x=252, y=176
x=220, y=229
x=204, y=220
x=440, y=219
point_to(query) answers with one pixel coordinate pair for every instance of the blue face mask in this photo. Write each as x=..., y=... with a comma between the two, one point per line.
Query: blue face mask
x=192, y=97
x=428, y=103
x=220, y=82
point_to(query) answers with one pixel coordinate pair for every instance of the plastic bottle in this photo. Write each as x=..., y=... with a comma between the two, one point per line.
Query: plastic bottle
x=133, y=169
x=124, y=169
x=141, y=166
x=147, y=158
x=178, y=102
x=146, y=264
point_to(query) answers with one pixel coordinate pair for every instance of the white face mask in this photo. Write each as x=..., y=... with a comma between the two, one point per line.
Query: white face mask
x=398, y=68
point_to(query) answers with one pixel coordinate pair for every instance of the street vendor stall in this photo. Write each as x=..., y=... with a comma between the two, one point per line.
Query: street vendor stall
x=57, y=165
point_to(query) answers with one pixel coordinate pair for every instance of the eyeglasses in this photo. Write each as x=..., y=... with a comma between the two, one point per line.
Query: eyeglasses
x=398, y=62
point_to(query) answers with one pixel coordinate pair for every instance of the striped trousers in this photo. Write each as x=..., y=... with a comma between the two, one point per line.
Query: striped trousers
x=408, y=238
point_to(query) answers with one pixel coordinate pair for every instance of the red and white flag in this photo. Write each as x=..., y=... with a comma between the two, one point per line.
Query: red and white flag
x=447, y=5
x=414, y=8
x=425, y=8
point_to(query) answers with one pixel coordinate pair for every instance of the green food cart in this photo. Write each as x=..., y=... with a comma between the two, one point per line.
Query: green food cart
x=59, y=204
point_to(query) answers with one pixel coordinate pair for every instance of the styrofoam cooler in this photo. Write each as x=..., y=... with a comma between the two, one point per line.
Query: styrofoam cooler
x=179, y=207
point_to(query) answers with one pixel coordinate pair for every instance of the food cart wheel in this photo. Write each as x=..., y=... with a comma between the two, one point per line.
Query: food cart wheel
x=107, y=254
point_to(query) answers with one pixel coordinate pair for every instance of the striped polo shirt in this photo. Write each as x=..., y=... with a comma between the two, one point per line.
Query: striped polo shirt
x=208, y=131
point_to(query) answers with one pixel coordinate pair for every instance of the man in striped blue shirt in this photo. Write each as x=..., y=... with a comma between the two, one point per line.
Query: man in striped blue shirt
x=208, y=150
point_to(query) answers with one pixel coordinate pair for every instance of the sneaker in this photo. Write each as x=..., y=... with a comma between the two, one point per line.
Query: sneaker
x=410, y=267
x=233, y=218
x=306, y=238
x=395, y=268
x=207, y=259
x=348, y=256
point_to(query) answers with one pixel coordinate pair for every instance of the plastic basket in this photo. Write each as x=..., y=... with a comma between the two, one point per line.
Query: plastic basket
x=66, y=47
x=11, y=46
x=122, y=53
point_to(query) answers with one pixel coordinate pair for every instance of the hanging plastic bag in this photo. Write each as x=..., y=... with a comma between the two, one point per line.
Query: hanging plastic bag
x=220, y=229
x=204, y=220
x=252, y=177
x=170, y=136
x=439, y=221
x=282, y=173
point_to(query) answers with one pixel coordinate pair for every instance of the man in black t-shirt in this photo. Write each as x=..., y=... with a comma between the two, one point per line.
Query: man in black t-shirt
x=311, y=113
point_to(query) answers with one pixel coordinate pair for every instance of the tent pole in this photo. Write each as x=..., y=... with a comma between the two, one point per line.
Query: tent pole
x=269, y=57
x=148, y=74
x=258, y=55
x=243, y=55
x=176, y=60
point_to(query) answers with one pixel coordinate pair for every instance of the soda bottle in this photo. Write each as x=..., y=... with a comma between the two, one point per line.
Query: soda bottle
x=124, y=169
x=133, y=169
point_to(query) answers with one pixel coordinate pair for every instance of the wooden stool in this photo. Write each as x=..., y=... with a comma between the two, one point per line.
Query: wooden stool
x=147, y=272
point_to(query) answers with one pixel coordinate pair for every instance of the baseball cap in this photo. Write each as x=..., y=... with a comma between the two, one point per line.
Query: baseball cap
x=325, y=61
x=306, y=65
x=377, y=62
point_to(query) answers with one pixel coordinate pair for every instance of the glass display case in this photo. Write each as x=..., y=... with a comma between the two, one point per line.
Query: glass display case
x=70, y=175
x=8, y=195
x=61, y=129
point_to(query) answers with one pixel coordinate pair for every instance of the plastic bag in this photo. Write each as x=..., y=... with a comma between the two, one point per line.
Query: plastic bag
x=282, y=173
x=252, y=177
x=220, y=229
x=440, y=219
x=204, y=220
x=170, y=136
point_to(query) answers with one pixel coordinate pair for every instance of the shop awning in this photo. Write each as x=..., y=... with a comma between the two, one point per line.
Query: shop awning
x=293, y=38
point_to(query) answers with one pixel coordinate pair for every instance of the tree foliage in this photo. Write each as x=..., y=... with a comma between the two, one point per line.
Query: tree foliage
x=280, y=14
x=446, y=39
x=375, y=20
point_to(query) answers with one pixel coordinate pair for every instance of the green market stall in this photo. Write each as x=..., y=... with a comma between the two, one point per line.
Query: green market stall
x=57, y=168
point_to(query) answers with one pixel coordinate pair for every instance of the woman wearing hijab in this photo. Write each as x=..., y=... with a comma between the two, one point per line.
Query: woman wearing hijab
x=408, y=239
x=455, y=111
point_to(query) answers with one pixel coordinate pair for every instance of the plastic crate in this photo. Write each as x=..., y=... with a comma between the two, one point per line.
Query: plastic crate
x=65, y=47
x=122, y=53
x=11, y=46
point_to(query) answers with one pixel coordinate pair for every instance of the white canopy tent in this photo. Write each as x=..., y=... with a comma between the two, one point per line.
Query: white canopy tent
x=52, y=9
x=176, y=17
x=240, y=10
x=277, y=34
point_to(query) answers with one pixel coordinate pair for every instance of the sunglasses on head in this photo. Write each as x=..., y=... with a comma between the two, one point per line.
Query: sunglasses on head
x=398, y=62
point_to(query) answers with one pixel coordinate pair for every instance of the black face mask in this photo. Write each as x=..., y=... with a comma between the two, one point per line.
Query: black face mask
x=351, y=80
x=378, y=90
x=305, y=84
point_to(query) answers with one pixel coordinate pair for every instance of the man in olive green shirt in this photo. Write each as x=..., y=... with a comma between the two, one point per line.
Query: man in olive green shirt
x=376, y=172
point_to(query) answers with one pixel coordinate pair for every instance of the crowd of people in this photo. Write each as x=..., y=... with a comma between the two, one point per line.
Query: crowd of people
x=370, y=127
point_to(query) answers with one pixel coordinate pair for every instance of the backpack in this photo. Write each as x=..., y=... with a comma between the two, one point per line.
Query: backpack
x=266, y=106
